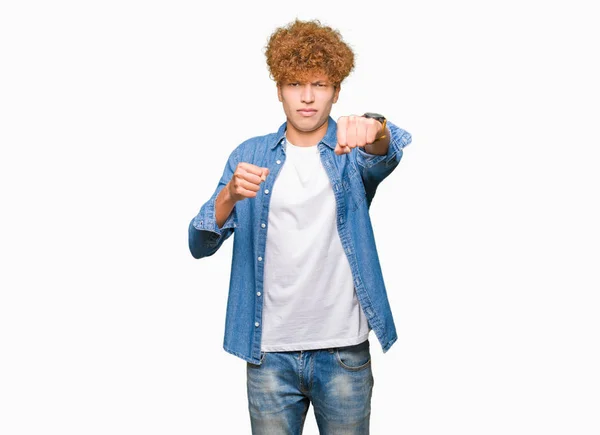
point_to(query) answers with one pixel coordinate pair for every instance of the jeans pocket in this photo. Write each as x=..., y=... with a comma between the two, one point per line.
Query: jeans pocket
x=355, y=357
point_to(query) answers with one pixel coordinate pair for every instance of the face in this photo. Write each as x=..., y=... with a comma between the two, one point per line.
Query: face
x=307, y=105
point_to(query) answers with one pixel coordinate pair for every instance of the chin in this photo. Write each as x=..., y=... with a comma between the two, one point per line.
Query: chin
x=308, y=125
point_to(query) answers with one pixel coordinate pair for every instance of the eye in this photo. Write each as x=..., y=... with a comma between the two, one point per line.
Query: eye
x=293, y=84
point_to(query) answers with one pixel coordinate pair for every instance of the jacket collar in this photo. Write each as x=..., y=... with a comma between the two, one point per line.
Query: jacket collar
x=330, y=138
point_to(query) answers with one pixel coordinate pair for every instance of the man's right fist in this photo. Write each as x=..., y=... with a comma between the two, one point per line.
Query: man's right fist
x=246, y=180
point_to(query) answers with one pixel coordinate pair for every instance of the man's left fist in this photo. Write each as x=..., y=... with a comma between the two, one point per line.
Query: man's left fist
x=356, y=131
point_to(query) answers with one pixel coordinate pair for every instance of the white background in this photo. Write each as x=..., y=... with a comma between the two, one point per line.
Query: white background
x=116, y=119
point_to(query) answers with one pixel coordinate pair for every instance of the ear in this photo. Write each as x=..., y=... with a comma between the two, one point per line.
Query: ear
x=336, y=93
x=279, y=93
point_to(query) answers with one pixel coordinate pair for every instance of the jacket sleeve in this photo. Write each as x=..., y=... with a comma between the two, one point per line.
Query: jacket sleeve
x=374, y=168
x=204, y=235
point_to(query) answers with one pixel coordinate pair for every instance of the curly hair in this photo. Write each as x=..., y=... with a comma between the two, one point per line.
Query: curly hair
x=303, y=48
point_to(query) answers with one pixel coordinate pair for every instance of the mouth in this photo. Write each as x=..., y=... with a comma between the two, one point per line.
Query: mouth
x=307, y=112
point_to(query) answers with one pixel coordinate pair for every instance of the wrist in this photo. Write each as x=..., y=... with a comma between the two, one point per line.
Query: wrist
x=225, y=196
x=383, y=133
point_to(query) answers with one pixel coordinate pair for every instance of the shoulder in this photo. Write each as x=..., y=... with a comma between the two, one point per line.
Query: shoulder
x=254, y=148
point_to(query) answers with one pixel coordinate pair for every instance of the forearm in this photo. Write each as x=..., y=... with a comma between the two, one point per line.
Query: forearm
x=379, y=147
x=209, y=229
x=374, y=168
x=215, y=222
x=223, y=206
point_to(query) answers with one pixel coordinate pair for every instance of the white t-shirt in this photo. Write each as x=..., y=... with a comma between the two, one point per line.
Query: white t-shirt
x=309, y=297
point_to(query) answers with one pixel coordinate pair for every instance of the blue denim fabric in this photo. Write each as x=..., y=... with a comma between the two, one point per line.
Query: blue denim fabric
x=354, y=178
x=338, y=382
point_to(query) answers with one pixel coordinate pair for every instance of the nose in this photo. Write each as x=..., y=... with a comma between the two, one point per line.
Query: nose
x=308, y=96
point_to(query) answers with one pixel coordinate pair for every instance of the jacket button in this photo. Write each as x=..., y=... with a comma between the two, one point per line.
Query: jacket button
x=257, y=324
x=259, y=258
x=262, y=225
x=257, y=293
x=279, y=162
x=266, y=191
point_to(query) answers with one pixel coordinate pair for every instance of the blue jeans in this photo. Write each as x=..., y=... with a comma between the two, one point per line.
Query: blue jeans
x=338, y=382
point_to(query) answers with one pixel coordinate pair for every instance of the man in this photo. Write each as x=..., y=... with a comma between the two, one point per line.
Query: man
x=306, y=286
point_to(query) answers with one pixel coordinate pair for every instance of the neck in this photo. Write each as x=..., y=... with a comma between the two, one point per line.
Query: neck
x=306, y=138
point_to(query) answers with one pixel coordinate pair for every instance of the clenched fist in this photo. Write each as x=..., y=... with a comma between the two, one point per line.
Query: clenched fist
x=245, y=181
x=357, y=131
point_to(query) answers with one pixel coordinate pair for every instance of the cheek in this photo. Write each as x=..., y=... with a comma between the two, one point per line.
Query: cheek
x=330, y=101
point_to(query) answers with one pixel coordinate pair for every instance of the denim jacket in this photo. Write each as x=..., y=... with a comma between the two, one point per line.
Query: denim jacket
x=354, y=178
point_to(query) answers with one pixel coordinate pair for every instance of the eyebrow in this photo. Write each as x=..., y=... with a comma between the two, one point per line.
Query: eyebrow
x=316, y=82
